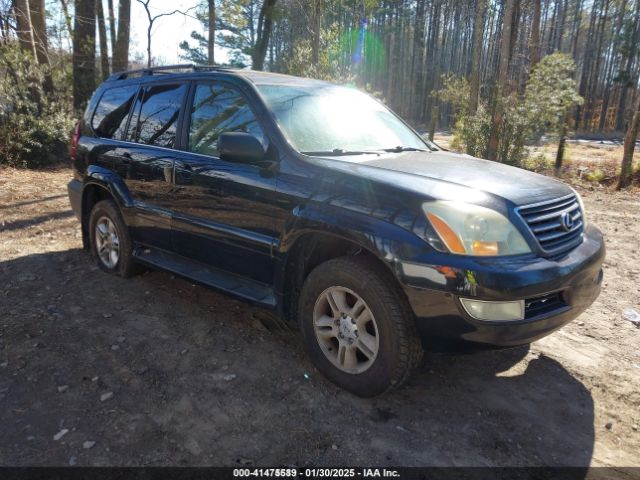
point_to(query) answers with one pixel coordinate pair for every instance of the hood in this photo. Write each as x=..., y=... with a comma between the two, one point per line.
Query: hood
x=413, y=170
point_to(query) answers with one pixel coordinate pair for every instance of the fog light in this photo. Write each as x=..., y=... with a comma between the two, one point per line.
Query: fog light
x=494, y=311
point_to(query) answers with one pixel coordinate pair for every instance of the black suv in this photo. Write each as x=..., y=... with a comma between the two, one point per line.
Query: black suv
x=318, y=202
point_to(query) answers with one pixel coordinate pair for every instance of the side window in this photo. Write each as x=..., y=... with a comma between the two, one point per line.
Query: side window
x=110, y=117
x=155, y=118
x=216, y=109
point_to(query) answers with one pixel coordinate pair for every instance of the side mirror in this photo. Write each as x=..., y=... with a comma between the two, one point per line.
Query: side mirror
x=240, y=147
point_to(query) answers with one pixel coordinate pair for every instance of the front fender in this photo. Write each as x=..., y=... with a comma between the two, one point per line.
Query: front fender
x=390, y=236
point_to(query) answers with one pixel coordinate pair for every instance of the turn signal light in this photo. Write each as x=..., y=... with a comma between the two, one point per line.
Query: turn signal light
x=485, y=248
x=448, y=236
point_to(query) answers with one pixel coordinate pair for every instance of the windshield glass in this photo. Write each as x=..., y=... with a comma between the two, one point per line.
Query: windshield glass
x=329, y=118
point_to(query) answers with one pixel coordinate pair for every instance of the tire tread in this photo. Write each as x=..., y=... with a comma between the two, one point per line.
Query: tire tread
x=381, y=283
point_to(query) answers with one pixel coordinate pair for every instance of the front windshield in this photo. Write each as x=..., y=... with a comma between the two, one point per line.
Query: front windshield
x=328, y=118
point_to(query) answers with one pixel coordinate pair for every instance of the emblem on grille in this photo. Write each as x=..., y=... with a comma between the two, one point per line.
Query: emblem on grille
x=566, y=220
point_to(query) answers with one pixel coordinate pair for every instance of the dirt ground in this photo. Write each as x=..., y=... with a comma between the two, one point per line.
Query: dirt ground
x=157, y=371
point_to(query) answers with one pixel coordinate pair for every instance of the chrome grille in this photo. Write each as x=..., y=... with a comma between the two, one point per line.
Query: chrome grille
x=556, y=224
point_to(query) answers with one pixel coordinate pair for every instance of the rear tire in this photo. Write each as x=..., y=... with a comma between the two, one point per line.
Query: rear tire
x=110, y=240
x=357, y=328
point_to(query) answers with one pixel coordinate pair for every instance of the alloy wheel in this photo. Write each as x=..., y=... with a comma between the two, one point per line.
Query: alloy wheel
x=107, y=242
x=346, y=329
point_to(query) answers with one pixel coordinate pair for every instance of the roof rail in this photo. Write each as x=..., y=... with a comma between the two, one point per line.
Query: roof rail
x=142, y=72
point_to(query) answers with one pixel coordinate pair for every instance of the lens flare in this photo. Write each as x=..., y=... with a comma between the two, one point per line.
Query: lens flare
x=363, y=50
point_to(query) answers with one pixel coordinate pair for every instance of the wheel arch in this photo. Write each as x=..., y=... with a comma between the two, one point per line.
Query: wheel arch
x=311, y=248
x=92, y=193
x=101, y=184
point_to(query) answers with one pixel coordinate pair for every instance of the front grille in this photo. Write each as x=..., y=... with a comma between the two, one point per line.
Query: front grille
x=556, y=224
x=551, y=303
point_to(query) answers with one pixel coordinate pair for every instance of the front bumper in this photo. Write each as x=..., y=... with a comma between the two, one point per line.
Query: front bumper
x=434, y=290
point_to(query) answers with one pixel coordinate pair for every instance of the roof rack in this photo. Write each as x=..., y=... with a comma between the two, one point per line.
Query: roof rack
x=143, y=72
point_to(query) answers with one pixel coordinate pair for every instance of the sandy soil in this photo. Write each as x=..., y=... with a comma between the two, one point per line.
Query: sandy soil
x=157, y=371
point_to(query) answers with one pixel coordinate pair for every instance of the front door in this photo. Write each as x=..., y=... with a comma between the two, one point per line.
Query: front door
x=223, y=212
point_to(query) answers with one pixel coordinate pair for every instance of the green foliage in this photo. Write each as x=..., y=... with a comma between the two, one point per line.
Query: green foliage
x=517, y=127
x=195, y=54
x=537, y=163
x=455, y=90
x=235, y=32
x=34, y=126
x=549, y=94
x=297, y=61
x=595, y=176
x=471, y=132
x=551, y=91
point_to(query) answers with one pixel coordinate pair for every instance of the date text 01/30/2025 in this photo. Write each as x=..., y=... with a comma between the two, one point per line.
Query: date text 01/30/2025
x=316, y=472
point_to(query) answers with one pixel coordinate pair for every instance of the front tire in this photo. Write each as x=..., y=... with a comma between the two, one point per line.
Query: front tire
x=110, y=240
x=357, y=328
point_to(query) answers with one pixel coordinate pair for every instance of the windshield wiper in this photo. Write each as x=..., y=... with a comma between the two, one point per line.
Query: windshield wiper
x=339, y=152
x=400, y=149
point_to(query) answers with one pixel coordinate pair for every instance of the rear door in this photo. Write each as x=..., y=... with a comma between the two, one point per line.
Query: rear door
x=147, y=164
x=223, y=211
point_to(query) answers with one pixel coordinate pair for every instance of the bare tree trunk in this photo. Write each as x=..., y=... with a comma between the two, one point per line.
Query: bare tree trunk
x=27, y=42
x=149, y=44
x=628, y=84
x=25, y=27
x=515, y=22
x=562, y=143
x=576, y=27
x=212, y=31
x=121, y=52
x=67, y=17
x=586, y=66
x=151, y=19
x=629, y=146
x=84, y=52
x=435, y=113
x=561, y=28
x=38, y=24
x=534, y=43
x=609, y=67
x=102, y=32
x=315, y=32
x=417, y=70
x=112, y=26
x=596, y=69
x=4, y=29
x=265, y=23
x=36, y=14
x=478, y=33
x=503, y=80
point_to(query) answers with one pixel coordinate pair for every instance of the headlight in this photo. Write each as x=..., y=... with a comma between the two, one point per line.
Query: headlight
x=468, y=229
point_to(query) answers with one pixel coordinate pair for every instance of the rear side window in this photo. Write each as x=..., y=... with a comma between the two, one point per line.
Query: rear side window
x=155, y=118
x=110, y=117
x=217, y=109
